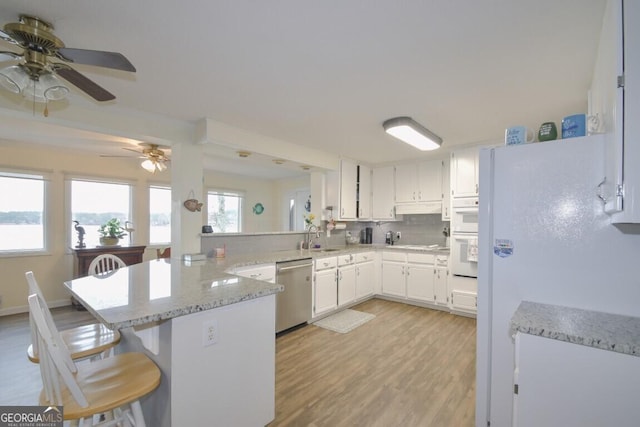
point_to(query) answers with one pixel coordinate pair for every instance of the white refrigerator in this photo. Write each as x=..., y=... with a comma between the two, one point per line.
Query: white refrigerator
x=543, y=237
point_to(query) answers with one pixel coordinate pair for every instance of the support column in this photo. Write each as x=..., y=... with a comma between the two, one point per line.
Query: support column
x=186, y=183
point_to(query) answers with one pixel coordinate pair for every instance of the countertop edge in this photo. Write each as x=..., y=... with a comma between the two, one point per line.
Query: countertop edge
x=606, y=331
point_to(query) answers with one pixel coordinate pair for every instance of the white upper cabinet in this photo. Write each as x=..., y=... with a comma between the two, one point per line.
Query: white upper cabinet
x=430, y=181
x=464, y=172
x=382, y=183
x=421, y=182
x=364, y=192
x=446, y=190
x=349, y=190
x=615, y=103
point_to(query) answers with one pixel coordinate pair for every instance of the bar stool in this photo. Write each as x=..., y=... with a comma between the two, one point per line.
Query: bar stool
x=82, y=341
x=105, y=263
x=110, y=386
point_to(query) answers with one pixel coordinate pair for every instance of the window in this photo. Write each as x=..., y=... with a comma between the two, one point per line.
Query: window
x=22, y=212
x=225, y=211
x=93, y=203
x=159, y=215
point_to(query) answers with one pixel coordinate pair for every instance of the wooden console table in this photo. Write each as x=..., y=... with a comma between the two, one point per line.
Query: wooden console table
x=83, y=257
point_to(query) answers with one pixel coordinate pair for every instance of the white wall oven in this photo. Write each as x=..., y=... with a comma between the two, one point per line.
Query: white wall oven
x=464, y=237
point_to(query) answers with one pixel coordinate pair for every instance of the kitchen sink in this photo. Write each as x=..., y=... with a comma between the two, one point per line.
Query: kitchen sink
x=326, y=250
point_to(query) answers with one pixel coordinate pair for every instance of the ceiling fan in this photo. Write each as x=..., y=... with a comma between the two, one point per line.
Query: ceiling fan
x=36, y=76
x=155, y=158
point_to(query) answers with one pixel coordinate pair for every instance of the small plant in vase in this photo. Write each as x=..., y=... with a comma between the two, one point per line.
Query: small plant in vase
x=111, y=232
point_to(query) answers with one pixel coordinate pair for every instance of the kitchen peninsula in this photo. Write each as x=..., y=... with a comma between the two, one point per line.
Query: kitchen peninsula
x=211, y=333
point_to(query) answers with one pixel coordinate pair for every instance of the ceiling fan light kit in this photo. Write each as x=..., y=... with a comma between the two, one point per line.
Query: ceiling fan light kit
x=413, y=133
x=36, y=77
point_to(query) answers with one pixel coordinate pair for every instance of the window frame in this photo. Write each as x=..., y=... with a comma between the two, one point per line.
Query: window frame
x=149, y=187
x=45, y=177
x=226, y=191
x=70, y=243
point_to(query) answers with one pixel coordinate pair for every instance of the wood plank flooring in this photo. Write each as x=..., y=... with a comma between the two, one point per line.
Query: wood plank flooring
x=409, y=366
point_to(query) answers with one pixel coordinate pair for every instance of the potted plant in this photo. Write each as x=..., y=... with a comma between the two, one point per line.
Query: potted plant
x=111, y=231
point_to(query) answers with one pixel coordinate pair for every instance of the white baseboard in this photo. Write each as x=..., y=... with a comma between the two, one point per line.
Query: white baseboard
x=25, y=308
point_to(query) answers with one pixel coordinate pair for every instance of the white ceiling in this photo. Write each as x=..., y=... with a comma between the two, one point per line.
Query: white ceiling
x=326, y=74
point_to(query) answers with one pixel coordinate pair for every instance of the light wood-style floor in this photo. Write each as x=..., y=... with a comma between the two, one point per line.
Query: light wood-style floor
x=409, y=366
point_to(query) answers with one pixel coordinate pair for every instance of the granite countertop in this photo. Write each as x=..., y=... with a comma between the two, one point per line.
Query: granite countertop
x=163, y=289
x=606, y=331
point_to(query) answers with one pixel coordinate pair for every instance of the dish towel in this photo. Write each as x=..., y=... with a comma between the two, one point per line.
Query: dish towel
x=472, y=250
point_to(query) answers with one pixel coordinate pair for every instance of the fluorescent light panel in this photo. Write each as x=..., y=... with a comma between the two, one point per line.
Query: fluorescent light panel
x=413, y=133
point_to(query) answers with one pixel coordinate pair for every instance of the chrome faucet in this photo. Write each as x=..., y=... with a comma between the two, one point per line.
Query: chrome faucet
x=309, y=239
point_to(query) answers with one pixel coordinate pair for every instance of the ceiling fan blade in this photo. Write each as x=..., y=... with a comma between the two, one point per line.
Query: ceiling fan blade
x=83, y=83
x=122, y=157
x=131, y=149
x=99, y=58
x=6, y=37
x=11, y=55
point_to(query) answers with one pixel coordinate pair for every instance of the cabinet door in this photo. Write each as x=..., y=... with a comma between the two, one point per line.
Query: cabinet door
x=393, y=280
x=382, y=185
x=430, y=181
x=565, y=384
x=420, y=282
x=446, y=190
x=464, y=172
x=348, y=189
x=364, y=192
x=440, y=287
x=406, y=183
x=346, y=284
x=365, y=278
x=325, y=291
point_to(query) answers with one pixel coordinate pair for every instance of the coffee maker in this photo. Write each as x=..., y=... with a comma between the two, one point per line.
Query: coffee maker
x=388, y=239
x=366, y=236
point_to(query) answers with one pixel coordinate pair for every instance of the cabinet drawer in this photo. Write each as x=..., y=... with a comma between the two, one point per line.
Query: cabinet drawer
x=394, y=256
x=325, y=263
x=266, y=272
x=345, y=259
x=442, y=260
x=421, y=258
x=364, y=257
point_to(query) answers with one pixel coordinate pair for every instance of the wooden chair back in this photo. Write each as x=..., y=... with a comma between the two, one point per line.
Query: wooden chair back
x=105, y=263
x=55, y=360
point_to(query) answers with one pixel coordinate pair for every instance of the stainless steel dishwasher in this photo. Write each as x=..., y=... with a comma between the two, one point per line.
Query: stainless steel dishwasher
x=293, y=305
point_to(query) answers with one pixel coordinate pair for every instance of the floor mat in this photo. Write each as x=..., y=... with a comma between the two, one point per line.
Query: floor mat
x=345, y=321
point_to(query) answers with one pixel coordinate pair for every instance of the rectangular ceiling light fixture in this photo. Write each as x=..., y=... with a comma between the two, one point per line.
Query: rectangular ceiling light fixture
x=413, y=133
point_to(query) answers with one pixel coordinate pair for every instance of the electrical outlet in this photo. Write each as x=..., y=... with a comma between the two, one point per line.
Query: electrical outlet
x=398, y=235
x=210, y=332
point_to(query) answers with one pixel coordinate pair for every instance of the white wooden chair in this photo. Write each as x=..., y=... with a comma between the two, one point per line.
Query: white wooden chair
x=82, y=341
x=105, y=263
x=111, y=386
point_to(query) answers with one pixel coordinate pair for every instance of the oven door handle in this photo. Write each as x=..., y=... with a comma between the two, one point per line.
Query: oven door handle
x=465, y=210
x=468, y=236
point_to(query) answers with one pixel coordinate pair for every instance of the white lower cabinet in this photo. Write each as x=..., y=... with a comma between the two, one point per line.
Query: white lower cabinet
x=393, y=270
x=346, y=279
x=557, y=383
x=325, y=285
x=420, y=280
x=365, y=274
x=441, y=281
